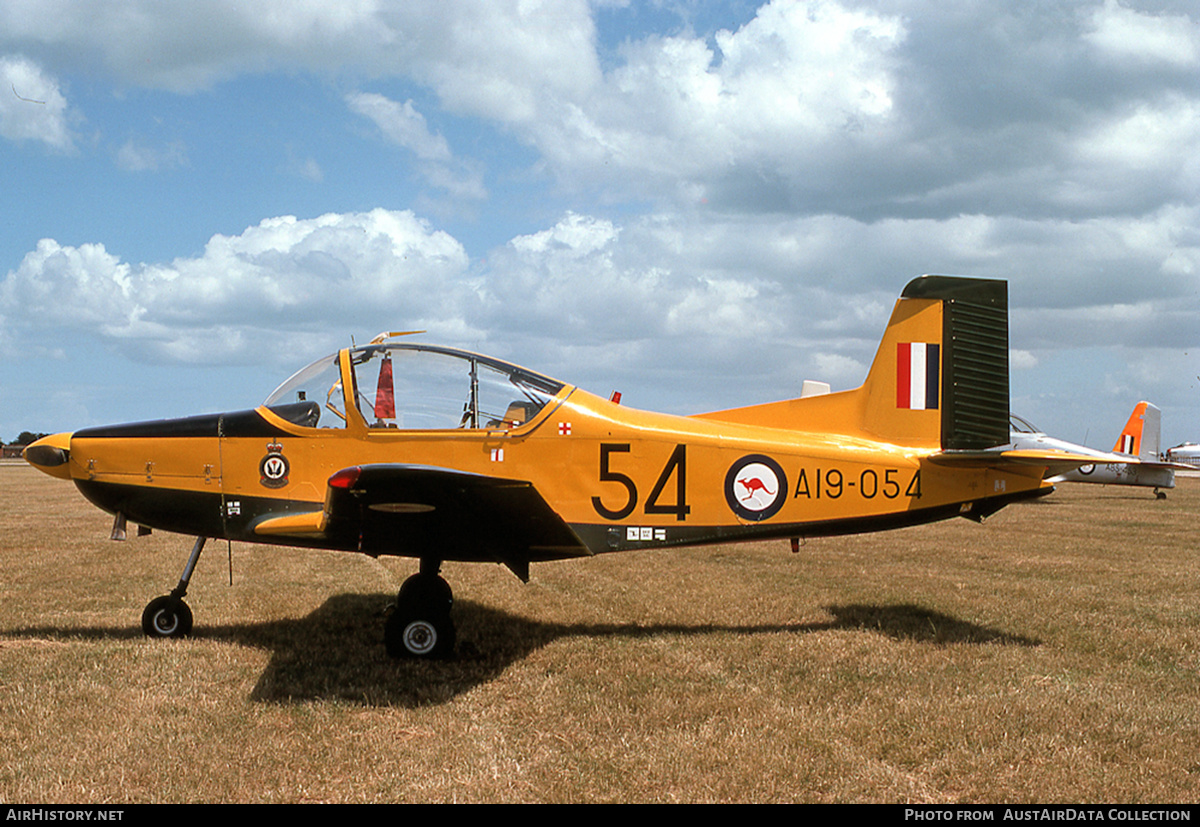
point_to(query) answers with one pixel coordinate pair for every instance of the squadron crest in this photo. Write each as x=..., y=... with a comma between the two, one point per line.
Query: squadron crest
x=273, y=469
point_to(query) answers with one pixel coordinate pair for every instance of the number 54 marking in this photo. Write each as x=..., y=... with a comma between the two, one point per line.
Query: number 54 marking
x=676, y=467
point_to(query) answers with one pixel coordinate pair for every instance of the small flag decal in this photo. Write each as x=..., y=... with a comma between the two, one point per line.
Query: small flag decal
x=917, y=371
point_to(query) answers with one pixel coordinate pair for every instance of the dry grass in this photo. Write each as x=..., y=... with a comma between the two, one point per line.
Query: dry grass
x=1052, y=654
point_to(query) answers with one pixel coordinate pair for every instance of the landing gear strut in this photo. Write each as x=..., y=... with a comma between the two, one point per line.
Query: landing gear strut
x=169, y=616
x=420, y=626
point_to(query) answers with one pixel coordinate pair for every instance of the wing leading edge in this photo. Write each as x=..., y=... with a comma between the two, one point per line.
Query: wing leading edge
x=422, y=511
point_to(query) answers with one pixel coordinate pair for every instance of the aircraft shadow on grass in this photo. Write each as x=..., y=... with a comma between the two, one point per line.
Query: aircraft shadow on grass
x=335, y=651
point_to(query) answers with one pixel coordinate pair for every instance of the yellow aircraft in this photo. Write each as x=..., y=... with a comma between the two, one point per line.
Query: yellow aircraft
x=401, y=448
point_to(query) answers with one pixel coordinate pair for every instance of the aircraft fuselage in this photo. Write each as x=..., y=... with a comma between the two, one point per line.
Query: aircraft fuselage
x=620, y=478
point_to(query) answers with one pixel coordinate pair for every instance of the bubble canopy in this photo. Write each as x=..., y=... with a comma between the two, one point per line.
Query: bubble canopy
x=414, y=387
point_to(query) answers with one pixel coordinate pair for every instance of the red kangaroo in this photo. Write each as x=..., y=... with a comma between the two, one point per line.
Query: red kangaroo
x=753, y=487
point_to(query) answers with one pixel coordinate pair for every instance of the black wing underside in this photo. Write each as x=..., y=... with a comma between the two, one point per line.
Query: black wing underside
x=421, y=511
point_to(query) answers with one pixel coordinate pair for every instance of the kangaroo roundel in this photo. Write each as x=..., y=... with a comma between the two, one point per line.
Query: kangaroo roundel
x=756, y=487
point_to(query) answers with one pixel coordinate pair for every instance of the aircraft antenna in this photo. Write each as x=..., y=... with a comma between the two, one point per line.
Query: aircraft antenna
x=393, y=334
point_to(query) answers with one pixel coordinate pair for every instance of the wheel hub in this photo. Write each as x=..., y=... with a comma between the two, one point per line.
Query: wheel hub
x=420, y=637
x=166, y=621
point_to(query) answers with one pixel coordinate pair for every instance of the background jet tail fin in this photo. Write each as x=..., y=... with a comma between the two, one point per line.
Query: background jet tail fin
x=1141, y=434
x=941, y=373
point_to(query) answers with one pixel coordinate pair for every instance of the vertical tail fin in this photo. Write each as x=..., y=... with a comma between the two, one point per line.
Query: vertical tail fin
x=1141, y=434
x=941, y=372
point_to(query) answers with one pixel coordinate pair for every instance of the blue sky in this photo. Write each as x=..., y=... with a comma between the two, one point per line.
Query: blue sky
x=700, y=204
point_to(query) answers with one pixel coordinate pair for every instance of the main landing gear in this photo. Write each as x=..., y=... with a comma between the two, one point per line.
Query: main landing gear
x=169, y=616
x=420, y=625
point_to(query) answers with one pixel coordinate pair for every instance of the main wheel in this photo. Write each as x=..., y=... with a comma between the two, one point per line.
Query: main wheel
x=167, y=616
x=420, y=626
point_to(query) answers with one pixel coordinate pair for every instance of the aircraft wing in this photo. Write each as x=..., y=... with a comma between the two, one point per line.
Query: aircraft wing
x=1055, y=461
x=1173, y=466
x=386, y=507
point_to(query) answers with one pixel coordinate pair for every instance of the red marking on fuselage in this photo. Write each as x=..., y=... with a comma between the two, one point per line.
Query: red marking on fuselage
x=753, y=486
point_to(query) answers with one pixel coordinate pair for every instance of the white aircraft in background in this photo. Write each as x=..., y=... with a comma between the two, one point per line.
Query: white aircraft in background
x=1186, y=454
x=1139, y=441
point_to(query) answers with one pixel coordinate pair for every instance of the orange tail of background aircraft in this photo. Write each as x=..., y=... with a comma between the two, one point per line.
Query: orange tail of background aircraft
x=1140, y=436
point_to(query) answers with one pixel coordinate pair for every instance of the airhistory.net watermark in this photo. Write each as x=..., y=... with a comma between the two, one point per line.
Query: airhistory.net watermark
x=61, y=814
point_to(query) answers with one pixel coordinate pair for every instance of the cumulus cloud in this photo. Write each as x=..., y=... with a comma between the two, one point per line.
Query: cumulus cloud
x=452, y=44
x=587, y=279
x=657, y=306
x=756, y=116
x=585, y=290
x=1123, y=33
x=245, y=295
x=932, y=111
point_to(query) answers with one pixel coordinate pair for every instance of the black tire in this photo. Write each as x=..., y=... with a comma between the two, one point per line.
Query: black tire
x=428, y=592
x=166, y=617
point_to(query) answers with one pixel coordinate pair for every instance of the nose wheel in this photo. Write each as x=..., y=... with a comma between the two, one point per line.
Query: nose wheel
x=169, y=616
x=420, y=626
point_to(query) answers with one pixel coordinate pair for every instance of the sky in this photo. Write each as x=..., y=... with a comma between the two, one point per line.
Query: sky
x=699, y=204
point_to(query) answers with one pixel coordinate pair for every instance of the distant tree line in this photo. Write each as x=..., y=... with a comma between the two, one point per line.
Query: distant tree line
x=26, y=438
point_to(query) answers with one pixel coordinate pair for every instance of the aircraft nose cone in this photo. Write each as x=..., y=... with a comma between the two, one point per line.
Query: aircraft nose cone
x=51, y=455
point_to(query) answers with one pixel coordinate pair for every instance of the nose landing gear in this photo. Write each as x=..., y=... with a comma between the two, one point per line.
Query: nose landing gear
x=169, y=616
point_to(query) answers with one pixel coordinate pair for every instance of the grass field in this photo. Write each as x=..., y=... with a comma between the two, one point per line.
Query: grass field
x=1049, y=655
